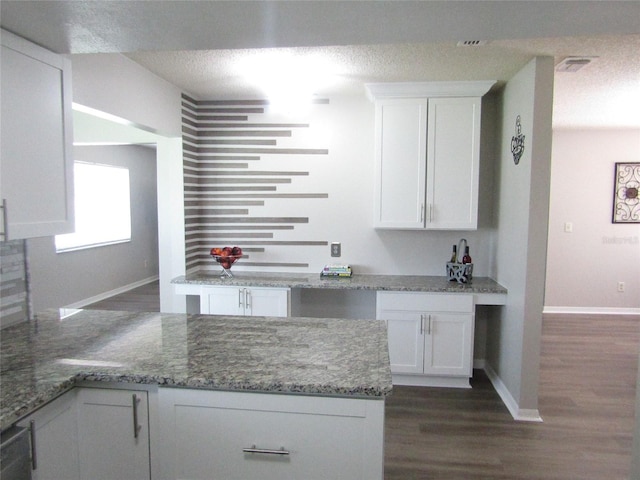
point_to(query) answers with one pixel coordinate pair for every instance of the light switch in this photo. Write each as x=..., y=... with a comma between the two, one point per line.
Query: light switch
x=568, y=227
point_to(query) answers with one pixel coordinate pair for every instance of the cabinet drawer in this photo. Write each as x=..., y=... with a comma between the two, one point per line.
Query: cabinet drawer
x=260, y=436
x=429, y=302
x=187, y=289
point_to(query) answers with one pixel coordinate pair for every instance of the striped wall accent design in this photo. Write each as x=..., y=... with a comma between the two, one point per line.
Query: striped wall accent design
x=14, y=306
x=225, y=189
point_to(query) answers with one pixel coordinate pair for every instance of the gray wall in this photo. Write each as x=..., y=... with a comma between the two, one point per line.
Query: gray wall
x=603, y=252
x=67, y=278
x=114, y=85
x=513, y=336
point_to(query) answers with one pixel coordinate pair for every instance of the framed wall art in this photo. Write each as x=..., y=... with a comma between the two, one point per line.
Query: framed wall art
x=626, y=202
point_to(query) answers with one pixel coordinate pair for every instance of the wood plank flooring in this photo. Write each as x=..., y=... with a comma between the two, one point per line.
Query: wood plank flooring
x=586, y=399
x=587, y=393
x=145, y=298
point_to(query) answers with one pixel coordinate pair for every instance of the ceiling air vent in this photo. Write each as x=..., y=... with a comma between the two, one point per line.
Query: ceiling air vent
x=573, y=64
x=472, y=43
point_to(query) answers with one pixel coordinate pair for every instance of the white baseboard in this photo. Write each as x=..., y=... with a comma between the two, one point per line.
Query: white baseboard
x=592, y=310
x=111, y=293
x=520, y=414
x=423, y=381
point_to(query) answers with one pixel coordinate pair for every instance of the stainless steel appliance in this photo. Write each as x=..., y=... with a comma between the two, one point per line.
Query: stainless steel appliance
x=15, y=454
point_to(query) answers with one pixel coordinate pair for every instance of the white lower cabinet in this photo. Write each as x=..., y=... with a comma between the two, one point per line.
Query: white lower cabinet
x=113, y=434
x=212, y=435
x=247, y=301
x=430, y=337
x=54, y=446
x=116, y=434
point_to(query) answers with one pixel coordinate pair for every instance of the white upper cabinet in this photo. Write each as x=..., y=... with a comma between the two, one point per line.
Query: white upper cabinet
x=401, y=150
x=427, y=151
x=36, y=181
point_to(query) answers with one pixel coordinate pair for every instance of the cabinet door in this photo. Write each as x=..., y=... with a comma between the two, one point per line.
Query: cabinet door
x=406, y=341
x=448, y=344
x=36, y=139
x=453, y=159
x=400, y=146
x=56, y=439
x=269, y=302
x=222, y=301
x=113, y=433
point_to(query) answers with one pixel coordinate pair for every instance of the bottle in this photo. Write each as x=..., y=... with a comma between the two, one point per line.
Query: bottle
x=468, y=269
x=466, y=258
x=453, y=255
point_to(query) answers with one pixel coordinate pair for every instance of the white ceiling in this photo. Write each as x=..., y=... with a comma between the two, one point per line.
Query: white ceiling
x=198, y=45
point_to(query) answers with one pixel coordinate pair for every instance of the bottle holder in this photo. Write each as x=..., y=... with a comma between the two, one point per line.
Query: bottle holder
x=460, y=272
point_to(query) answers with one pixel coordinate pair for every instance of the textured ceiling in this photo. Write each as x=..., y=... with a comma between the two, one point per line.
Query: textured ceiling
x=200, y=45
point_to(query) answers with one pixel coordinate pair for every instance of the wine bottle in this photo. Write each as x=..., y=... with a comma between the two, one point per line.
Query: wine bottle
x=466, y=258
x=454, y=254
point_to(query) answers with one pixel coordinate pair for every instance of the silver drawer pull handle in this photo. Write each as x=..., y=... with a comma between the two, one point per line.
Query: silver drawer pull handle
x=136, y=426
x=5, y=223
x=32, y=433
x=266, y=451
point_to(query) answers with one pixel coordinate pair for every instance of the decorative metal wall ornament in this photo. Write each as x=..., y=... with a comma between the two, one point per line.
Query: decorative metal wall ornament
x=517, y=142
x=626, y=201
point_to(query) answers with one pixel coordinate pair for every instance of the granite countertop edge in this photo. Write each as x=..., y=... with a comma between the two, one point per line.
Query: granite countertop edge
x=400, y=283
x=40, y=399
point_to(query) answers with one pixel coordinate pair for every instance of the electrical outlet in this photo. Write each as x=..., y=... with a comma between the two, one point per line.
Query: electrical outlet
x=336, y=249
x=621, y=287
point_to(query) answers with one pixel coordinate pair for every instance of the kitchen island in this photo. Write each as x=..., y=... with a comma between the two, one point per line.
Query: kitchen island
x=301, y=367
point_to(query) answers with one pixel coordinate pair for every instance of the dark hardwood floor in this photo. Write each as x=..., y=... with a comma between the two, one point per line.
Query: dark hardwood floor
x=586, y=399
x=142, y=299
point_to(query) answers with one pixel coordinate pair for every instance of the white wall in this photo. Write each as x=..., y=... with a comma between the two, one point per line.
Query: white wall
x=114, y=84
x=59, y=279
x=346, y=128
x=585, y=266
x=513, y=336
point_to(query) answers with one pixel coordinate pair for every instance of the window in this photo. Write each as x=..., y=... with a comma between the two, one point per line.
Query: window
x=102, y=207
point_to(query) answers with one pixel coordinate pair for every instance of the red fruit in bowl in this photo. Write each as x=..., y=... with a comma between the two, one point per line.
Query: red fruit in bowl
x=236, y=251
x=226, y=251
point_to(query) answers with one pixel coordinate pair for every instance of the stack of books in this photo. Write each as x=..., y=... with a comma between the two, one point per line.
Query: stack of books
x=336, y=271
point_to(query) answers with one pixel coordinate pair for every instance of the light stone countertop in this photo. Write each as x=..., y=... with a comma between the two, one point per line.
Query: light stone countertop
x=402, y=283
x=43, y=358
